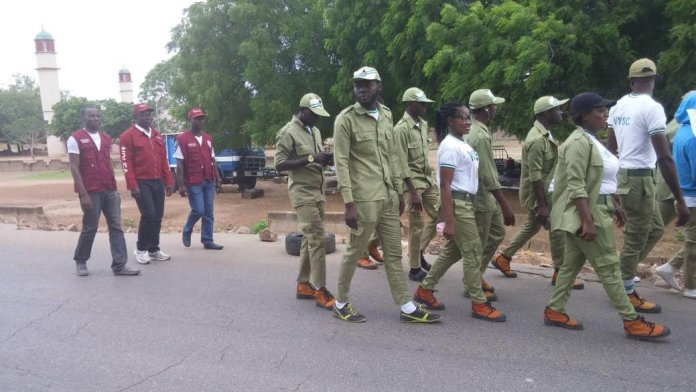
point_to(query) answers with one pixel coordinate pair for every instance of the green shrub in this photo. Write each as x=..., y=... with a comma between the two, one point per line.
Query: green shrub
x=259, y=226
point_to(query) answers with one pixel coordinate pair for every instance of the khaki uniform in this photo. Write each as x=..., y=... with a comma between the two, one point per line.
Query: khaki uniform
x=665, y=198
x=579, y=175
x=539, y=156
x=489, y=218
x=413, y=140
x=369, y=176
x=305, y=187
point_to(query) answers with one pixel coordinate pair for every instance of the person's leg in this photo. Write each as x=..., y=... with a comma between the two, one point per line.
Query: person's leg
x=431, y=206
x=639, y=206
x=557, y=242
x=197, y=205
x=147, y=216
x=357, y=243
x=466, y=239
x=450, y=255
x=495, y=237
x=690, y=252
x=313, y=251
x=389, y=231
x=90, y=223
x=483, y=224
x=657, y=229
x=530, y=228
x=667, y=212
x=208, y=218
x=111, y=206
x=573, y=258
x=415, y=231
x=158, y=202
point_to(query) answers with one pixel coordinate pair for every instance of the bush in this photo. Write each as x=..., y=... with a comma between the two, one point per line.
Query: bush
x=259, y=226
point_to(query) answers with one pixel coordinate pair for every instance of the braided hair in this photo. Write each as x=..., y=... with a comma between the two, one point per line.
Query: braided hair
x=443, y=115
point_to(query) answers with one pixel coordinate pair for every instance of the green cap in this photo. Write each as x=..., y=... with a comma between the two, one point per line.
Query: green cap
x=642, y=68
x=366, y=73
x=547, y=103
x=483, y=97
x=414, y=94
x=313, y=103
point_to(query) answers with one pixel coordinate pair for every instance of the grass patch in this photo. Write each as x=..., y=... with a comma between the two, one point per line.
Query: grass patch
x=56, y=175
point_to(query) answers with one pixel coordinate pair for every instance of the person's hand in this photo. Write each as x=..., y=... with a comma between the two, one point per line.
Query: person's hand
x=86, y=203
x=448, y=230
x=508, y=217
x=620, y=217
x=135, y=193
x=183, y=191
x=169, y=190
x=542, y=216
x=321, y=158
x=351, y=216
x=682, y=212
x=416, y=202
x=588, y=232
x=402, y=205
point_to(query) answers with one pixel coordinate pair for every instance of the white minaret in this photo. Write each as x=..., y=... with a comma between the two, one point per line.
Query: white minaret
x=47, y=67
x=125, y=85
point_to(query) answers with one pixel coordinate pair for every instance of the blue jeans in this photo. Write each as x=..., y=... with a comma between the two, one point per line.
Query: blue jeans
x=200, y=199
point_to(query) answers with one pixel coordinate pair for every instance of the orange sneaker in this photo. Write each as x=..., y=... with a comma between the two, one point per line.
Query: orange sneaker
x=502, y=263
x=644, y=330
x=427, y=298
x=557, y=319
x=374, y=253
x=486, y=312
x=577, y=283
x=486, y=287
x=324, y=299
x=366, y=264
x=305, y=291
x=643, y=306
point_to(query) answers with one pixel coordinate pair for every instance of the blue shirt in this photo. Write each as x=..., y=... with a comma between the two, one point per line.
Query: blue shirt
x=684, y=147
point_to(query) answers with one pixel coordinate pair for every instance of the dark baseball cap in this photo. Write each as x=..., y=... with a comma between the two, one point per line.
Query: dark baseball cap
x=584, y=102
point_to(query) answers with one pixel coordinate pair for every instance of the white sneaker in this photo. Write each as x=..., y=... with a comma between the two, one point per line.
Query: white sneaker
x=159, y=256
x=690, y=293
x=141, y=256
x=636, y=279
x=666, y=272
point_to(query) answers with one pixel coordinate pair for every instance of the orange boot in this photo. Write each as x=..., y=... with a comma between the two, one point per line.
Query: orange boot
x=366, y=264
x=558, y=319
x=304, y=291
x=487, y=287
x=502, y=263
x=644, y=330
x=641, y=305
x=324, y=299
x=374, y=253
x=427, y=298
x=486, y=312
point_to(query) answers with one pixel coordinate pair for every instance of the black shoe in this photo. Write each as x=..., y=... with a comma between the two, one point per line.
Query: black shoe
x=82, y=269
x=186, y=239
x=127, y=271
x=424, y=263
x=420, y=315
x=416, y=274
x=348, y=313
x=213, y=246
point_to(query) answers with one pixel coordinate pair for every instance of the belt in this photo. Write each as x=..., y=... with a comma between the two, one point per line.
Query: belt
x=603, y=199
x=639, y=172
x=466, y=196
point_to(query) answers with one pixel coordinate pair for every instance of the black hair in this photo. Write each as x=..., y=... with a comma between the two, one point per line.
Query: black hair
x=84, y=108
x=446, y=111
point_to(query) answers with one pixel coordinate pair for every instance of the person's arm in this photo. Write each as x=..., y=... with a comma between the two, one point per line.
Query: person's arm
x=398, y=171
x=401, y=132
x=446, y=176
x=669, y=174
x=488, y=177
x=612, y=144
x=342, y=142
x=183, y=190
x=128, y=164
x=85, y=200
x=164, y=164
x=577, y=162
x=535, y=164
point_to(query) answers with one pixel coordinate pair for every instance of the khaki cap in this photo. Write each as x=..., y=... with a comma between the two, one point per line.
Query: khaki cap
x=366, y=73
x=313, y=102
x=414, y=94
x=483, y=97
x=642, y=68
x=547, y=103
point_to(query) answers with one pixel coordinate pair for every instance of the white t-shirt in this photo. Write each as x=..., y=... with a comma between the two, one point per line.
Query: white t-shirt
x=611, y=167
x=455, y=153
x=147, y=132
x=74, y=148
x=635, y=118
x=179, y=155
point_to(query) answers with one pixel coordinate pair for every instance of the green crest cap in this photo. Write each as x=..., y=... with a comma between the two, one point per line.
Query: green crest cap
x=642, y=68
x=547, y=103
x=482, y=98
x=414, y=94
x=366, y=73
x=313, y=103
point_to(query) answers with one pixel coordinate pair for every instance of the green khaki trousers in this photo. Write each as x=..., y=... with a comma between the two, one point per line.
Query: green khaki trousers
x=667, y=213
x=601, y=253
x=491, y=232
x=530, y=228
x=644, y=226
x=466, y=246
x=421, y=229
x=381, y=216
x=313, y=250
x=689, y=254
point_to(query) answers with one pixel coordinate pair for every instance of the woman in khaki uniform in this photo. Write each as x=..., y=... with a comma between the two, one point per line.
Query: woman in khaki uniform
x=585, y=177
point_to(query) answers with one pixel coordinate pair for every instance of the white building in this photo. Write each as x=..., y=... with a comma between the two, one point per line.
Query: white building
x=125, y=85
x=47, y=67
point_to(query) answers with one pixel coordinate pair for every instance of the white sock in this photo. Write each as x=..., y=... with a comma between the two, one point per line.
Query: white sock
x=340, y=305
x=408, y=308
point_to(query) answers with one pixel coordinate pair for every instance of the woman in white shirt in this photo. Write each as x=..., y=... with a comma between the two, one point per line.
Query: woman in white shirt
x=457, y=176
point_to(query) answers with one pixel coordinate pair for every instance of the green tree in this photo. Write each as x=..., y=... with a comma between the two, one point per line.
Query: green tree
x=678, y=59
x=21, y=118
x=159, y=88
x=116, y=117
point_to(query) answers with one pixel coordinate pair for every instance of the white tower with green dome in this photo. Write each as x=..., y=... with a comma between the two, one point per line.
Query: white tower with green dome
x=47, y=67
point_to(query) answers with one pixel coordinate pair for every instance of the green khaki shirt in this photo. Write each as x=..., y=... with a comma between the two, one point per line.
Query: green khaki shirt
x=368, y=162
x=578, y=174
x=479, y=139
x=539, y=156
x=413, y=142
x=294, y=141
x=662, y=192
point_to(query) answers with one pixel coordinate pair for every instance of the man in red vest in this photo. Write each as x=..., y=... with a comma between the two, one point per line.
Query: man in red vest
x=146, y=169
x=196, y=172
x=93, y=176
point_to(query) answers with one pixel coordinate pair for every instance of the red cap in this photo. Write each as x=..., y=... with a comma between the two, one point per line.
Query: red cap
x=141, y=107
x=195, y=112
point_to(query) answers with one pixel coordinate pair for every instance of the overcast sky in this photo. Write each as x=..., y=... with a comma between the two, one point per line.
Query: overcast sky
x=93, y=39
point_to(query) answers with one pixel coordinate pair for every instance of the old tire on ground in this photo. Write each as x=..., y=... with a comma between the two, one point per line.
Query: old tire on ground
x=293, y=243
x=246, y=183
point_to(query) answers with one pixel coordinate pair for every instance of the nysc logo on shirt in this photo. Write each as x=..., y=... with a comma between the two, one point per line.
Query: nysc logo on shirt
x=473, y=155
x=623, y=121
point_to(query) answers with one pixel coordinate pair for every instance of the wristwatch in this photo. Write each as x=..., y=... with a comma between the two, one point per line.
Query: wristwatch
x=310, y=158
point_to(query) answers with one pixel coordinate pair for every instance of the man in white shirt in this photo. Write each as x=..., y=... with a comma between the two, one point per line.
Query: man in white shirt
x=637, y=126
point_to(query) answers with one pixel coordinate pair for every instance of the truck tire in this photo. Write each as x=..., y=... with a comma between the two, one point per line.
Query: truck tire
x=247, y=183
x=293, y=243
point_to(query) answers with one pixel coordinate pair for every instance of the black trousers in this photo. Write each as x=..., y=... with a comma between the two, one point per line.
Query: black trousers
x=109, y=204
x=151, y=206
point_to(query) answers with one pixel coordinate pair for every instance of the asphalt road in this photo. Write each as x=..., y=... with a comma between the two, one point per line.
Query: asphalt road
x=229, y=321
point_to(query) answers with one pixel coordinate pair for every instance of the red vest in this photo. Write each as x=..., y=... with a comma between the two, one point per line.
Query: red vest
x=95, y=165
x=198, y=160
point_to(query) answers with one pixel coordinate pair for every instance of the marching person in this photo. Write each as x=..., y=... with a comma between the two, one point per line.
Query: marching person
x=637, y=132
x=369, y=179
x=584, y=210
x=423, y=194
x=148, y=179
x=457, y=177
x=93, y=177
x=299, y=151
x=539, y=156
x=196, y=172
